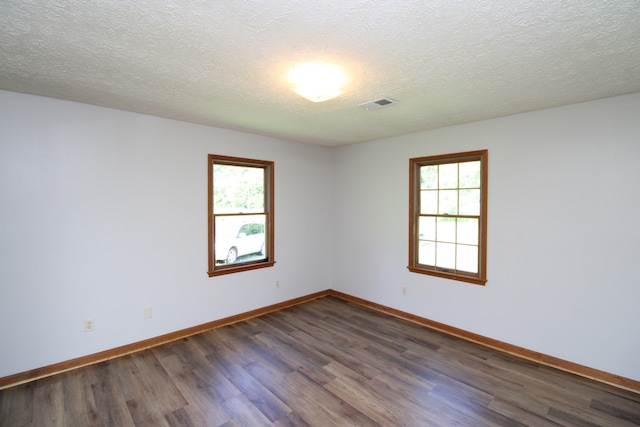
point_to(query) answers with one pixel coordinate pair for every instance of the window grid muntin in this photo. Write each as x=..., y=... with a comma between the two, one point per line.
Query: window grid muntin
x=456, y=242
x=448, y=185
x=419, y=189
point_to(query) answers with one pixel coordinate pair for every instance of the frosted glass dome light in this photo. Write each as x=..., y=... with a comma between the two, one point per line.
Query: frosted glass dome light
x=317, y=81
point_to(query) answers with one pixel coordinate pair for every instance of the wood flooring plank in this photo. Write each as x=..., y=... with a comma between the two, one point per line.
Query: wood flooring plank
x=158, y=389
x=262, y=398
x=471, y=372
x=294, y=354
x=298, y=351
x=566, y=406
x=245, y=413
x=194, y=363
x=79, y=402
x=472, y=405
x=145, y=415
x=146, y=387
x=586, y=416
x=416, y=403
x=362, y=336
x=181, y=418
x=326, y=362
x=571, y=420
x=291, y=420
x=372, y=401
x=233, y=338
x=310, y=401
x=108, y=397
x=522, y=400
x=204, y=397
x=318, y=329
x=337, y=351
x=48, y=408
x=521, y=413
x=16, y=405
x=400, y=331
x=621, y=408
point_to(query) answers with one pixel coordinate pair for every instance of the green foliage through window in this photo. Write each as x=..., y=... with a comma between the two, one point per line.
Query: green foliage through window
x=238, y=189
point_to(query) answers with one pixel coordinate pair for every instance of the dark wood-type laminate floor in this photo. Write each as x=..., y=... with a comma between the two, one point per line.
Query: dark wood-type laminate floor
x=322, y=363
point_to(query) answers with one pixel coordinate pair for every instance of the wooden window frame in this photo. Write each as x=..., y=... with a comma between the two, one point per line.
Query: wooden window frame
x=479, y=278
x=269, y=260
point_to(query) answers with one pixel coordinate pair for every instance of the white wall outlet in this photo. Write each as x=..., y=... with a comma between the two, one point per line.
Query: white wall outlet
x=89, y=325
x=277, y=283
x=404, y=291
x=148, y=313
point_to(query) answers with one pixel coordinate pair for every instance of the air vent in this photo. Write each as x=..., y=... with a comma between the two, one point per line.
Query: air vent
x=378, y=103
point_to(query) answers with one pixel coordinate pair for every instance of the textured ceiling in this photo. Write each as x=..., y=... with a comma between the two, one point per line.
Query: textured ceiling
x=224, y=63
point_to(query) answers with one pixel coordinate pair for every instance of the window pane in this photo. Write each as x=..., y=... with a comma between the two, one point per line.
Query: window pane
x=470, y=174
x=449, y=175
x=448, y=202
x=238, y=189
x=470, y=202
x=446, y=255
x=428, y=177
x=468, y=231
x=427, y=253
x=446, y=230
x=429, y=202
x=467, y=258
x=239, y=238
x=427, y=228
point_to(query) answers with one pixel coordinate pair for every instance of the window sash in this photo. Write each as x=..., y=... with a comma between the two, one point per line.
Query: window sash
x=447, y=224
x=217, y=214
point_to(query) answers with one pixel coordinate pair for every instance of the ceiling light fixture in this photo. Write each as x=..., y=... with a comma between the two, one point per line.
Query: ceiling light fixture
x=317, y=81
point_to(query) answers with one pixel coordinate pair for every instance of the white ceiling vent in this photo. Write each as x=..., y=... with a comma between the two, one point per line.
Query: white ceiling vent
x=378, y=103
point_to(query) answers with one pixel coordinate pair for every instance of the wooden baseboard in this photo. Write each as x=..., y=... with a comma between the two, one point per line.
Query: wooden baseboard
x=554, y=362
x=34, y=374
x=543, y=359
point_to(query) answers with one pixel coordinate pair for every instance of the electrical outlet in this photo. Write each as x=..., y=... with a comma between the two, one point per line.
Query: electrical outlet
x=148, y=313
x=404, y=291
x=277, y=283
x=88, y=325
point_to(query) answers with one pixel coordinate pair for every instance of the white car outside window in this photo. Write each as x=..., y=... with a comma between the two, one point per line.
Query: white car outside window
x=236, y=240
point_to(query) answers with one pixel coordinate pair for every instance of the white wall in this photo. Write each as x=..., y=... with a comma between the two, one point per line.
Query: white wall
x=104, y=213
x=563, y=232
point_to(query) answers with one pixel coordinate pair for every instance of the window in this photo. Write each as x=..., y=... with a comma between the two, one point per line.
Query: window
x=448, y=216
x=240, y=214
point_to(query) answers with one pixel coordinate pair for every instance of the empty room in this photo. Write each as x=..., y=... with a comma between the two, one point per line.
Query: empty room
x=322, y=213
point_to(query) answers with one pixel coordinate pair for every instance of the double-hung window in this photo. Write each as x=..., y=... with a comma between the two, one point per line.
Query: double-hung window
x=240, y=214
x=448, y=216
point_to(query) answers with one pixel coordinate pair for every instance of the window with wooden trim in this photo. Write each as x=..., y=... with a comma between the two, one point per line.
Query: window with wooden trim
x=240, y=214
x=448, y=216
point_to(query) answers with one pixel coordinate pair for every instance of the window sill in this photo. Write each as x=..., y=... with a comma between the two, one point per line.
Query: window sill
x=237, y=269
x=445, y=275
